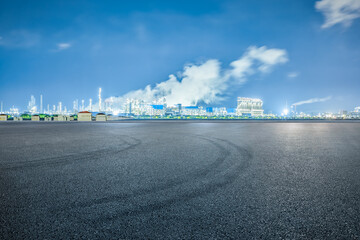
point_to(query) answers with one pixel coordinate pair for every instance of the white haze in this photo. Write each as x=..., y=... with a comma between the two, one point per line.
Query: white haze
x=206, y=82
x=312, y=100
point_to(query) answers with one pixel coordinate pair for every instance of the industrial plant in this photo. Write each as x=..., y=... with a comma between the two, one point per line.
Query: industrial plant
x=129, y=108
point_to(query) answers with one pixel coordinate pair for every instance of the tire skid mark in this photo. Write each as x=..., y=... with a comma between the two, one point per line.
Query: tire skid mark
x=229, y=176
x=167, y=185
x=67, y=159
x=158, y=205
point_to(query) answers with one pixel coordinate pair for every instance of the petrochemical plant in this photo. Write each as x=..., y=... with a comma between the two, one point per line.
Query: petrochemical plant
x=247, y=108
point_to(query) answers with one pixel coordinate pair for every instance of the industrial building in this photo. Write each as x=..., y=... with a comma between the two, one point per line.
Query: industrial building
x=191, y=111
x=35, y=118
x=3, y=117
x=84, y=116
x=249, y=107
x=157, y=110
x=101, y=117
x=59, y=118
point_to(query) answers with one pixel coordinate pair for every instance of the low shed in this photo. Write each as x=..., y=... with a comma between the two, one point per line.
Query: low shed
x=84, y=116
x=101, y=117
x=3, y=117
x=35, y=118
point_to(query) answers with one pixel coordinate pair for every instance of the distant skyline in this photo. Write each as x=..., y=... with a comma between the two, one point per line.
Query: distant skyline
x=280, y=51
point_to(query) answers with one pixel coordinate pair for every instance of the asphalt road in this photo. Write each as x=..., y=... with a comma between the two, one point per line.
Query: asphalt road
x=179, y=180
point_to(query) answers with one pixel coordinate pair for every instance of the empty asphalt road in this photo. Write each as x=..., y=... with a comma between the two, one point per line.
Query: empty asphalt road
x=180, y=180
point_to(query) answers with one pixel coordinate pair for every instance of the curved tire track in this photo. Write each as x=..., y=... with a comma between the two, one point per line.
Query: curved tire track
x=168, y=184
x=214, y=182
x=71, y=158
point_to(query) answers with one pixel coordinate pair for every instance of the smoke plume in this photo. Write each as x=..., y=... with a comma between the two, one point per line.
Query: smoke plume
x=312, y=100
x=207, y=82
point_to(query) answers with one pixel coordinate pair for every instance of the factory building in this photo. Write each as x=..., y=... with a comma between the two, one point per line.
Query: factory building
x=3, y=117
x=35, y=118
x=193, y=111
x=219, y=112
x=59, y=118
x=84, y=116
x=157, y=110
x=249, y=107
x=101, y=117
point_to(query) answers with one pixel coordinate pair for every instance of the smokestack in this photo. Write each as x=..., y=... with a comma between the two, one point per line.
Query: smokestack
x=99, y=99
x=76, y=106
x=41, y=103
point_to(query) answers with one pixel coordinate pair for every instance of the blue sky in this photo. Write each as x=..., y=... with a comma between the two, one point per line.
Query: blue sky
x=65, y=50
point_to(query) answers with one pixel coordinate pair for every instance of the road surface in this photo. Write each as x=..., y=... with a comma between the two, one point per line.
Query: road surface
x=179, y=180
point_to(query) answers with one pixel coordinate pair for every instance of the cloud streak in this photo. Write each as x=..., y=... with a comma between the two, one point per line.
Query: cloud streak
x=293, y=74
x=63, y=46
x=312, y=100
x=338, y=11
x=207, y=82
x=20, y=39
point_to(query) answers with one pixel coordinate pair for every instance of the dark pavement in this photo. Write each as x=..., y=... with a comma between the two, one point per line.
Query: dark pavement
x=180, y=180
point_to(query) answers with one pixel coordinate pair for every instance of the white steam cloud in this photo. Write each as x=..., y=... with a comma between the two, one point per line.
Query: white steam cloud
x=312, y=100
x=339, y=11
x=207, y=82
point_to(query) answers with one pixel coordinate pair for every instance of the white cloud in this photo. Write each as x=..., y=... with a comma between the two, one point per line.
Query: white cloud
x=206, y=82
x=257, y=59
x=63, y=46
x=338, y=11
x=312, y=100
x=267, y=57
x=293, y=74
